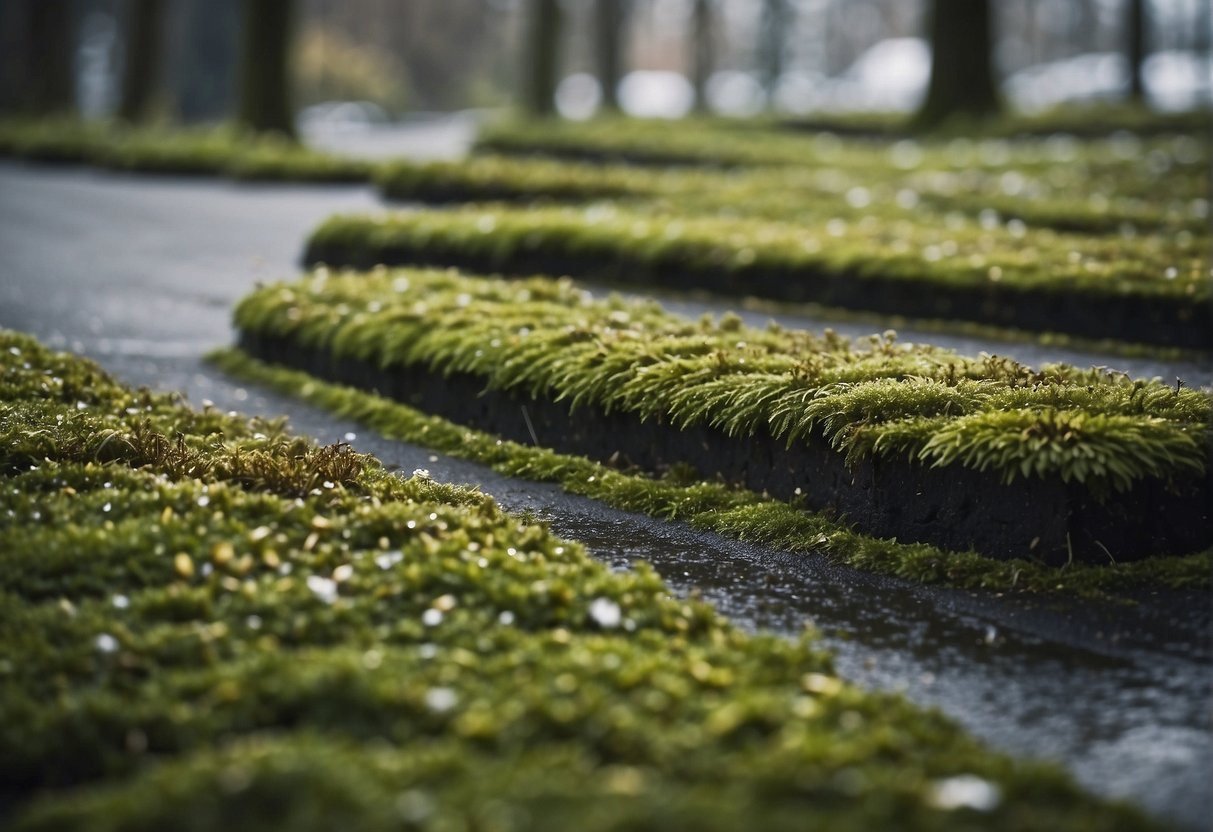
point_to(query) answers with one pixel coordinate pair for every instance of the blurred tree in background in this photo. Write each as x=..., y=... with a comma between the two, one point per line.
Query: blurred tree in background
x=610, y=23
x=804, y=56
x=1136, y=31
x=331, y=66
x=142, y=60
x=776, y=15
x=541, y=57
x=203, y=56
x=265, y=87
x=703, y=51
x=962, y=63
x=38, y=57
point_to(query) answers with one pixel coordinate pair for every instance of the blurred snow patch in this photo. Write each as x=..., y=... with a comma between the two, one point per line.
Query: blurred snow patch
x=890, y=76
x=578, y=96
x=1174, y=80
x=735, y=93
x=651, y=93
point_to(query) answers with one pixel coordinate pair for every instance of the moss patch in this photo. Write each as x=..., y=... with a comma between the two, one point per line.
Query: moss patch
x=219, y=151
x=716, y=507
x=1092, y=287
x=1095, y=188
x=195, y=639
x=876, y=397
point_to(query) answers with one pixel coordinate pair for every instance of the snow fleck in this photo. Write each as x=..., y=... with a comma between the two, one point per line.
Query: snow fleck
x=389, y=559
x=322, y=588
x=120, y=602
x=431, y=617
x=106, y=643
x=441, y=700
x=859, y=197
x=343, y=573
x=606, y=613
x=965, y=791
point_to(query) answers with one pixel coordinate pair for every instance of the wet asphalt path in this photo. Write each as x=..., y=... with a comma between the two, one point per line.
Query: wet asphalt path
x=140, y=273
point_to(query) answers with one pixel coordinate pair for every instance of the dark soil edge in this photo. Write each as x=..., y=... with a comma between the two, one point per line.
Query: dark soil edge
x=1160, y=321
x=954, y=508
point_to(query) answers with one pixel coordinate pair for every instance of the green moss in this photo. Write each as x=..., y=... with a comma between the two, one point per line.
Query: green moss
x=1095, y=346
x=920, y=402
x=191, y=644
x=750, y=142
x=1109, y=190
x=55, y=139
x=1092, y=119
x=627, y=244
x=215, y=151
x=716, y=507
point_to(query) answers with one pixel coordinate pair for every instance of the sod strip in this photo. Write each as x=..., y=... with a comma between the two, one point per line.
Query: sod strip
x=212, y=624
x=1124, y=201
x=1149, y=292
x=912, y=442
x=219, y=151
x=750, y=143
x=713, y=506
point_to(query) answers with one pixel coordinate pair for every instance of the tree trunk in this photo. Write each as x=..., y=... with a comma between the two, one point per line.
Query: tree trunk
x=1137, y=50
x=265, y=89
x=962, y=73
x=542, y=58
x=703, y=57
x=774, y=32
x=144, y=53
x=1202, y=41
x=202, y=58
x=609, y=24
x=51, y=57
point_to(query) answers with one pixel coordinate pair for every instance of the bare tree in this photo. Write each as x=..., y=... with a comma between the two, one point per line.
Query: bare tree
x=50, y=57
x=610, y=23
x=962, y=73
x=265, y=94
x=1136, y=49
x=775, y=21
x=703, y=52
x=143, y=56
x=542, y=60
